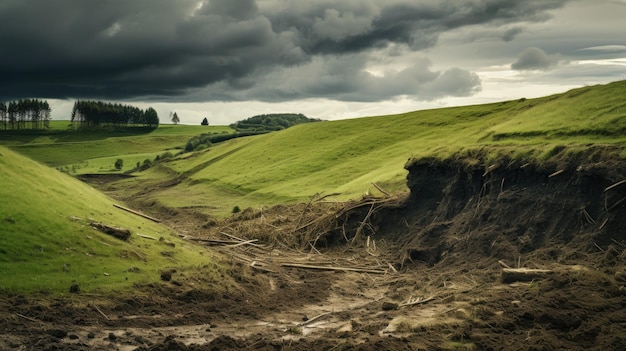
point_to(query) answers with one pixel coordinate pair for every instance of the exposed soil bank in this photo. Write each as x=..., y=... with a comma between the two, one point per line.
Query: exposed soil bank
x=442, y=248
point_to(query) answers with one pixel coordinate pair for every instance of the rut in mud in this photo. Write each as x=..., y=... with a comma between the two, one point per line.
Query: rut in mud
x=415, y=271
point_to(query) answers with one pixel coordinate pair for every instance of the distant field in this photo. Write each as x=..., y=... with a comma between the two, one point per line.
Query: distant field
x=60, y=146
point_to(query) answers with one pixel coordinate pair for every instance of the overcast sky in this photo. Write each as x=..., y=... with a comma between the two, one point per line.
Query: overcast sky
x=231, y=59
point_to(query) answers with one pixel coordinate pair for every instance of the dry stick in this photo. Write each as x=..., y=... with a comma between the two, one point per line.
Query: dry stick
x=618, y=243
x=364, y=222
x=214, y=241
x=240, y=239
x=333, y=268
x=556, y=173
x=491, y=168
x=503, y=264
x=306, y=208
x=27, y=318
x=381, y=189
x=599, y=248
x=314, y=249
x=588, y=217
x=102, y=313
x=616, y=204
x=417, y=302
x=247, y=242
x=603, y=223
x=309, y=321
x=137, y=213
x=138, y=255
x=146, y=236
x=615, y=185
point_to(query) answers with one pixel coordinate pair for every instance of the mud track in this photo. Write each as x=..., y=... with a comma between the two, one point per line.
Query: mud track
x=415, y=271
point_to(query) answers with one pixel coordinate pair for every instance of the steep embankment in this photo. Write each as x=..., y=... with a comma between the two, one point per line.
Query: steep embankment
x=48, y=241
x=464, y=209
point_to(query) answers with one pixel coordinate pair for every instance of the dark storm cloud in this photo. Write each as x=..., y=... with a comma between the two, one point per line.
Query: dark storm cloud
x=510, y=34
x=163, y=49
x=346, y=78
x=535, y=59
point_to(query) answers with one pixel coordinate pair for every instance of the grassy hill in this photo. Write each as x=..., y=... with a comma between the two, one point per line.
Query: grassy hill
x=47, y=243
x=347, y=156
x=96, y=151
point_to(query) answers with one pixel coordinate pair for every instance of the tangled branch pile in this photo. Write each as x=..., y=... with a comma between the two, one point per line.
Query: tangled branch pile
x=318, y=223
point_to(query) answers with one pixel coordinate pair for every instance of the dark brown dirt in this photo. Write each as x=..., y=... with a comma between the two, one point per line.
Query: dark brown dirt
x=442, y=248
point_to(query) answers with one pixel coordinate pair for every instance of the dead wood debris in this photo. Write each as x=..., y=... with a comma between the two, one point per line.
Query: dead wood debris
x=137, y=213
x=116, y=232
x=510, y=275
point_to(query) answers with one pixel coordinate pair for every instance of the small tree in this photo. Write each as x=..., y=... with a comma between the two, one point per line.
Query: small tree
x=205, y=122
x=175, y=118
x=119, y=164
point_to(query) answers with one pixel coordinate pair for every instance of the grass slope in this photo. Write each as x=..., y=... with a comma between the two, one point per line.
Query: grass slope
x=347, y=156
x=97, y=151
x=47, y=244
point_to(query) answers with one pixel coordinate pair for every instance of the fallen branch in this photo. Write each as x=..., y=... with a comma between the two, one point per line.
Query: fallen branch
x=214, y=241
x=97, y=309
x=27, y=318
x=247, y=242
x=334, y=268
x=588, y=217
x=117, y=232
x=510, y=275
x=615, y=185
x=309, y=321
x=491, y=168
x=147, y=237
x=137, y=213
x=556, y=173
x=240, y=240
x=417, y=301
x=503, y=264
x=255, y=265
x=616, y=204
x=381, y=189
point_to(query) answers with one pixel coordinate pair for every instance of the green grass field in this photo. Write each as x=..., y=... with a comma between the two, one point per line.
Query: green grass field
x=61, y=146
x=47, y=243
x=347, y=156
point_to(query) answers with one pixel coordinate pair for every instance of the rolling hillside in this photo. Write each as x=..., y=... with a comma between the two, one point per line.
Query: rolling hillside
x=347, y=156
x=47, y=242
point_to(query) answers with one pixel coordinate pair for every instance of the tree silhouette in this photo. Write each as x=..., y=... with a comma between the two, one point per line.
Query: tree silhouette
x=175, y=118
x=205, y=122
x=102, y=115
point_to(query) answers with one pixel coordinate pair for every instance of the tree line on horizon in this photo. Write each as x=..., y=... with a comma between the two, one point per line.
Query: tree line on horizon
x=271, y=122
x=25, y=114
x=90, y=114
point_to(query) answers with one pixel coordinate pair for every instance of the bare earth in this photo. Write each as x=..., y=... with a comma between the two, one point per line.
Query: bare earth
x=435, y=269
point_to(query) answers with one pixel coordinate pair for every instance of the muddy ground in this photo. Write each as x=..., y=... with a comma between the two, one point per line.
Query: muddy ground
x=436, y=268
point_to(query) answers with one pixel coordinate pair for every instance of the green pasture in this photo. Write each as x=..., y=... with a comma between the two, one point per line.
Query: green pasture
x=47, y=243
x=347, y=156
x=62, y=146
